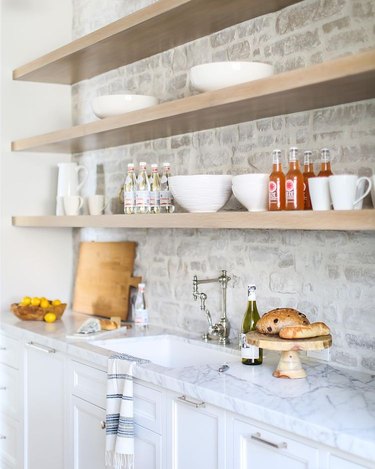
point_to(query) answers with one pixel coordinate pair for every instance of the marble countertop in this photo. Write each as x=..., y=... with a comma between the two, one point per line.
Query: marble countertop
x=332, y=406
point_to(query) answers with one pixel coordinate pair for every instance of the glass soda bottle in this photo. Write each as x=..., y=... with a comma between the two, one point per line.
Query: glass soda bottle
x=308, y=172
x=166, y=198
x=155, y=189
x=276, y=188
x=130, y=186
x=250, y=354
x=294, y=183
x=140, y=310
x=325, y=163
x=143, y=190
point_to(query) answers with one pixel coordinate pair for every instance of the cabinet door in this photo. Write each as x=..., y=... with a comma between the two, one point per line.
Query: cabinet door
x=147, y=449
x=88, y=435
x=44, y=409
x=337, y=462
x=10, y=443
x=254, y=447
x=197, y=434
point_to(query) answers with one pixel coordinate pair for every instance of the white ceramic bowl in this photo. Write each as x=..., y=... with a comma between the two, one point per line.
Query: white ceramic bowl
x=115, y=104
x=252, y=191
x=216, y=75
x=201, y=193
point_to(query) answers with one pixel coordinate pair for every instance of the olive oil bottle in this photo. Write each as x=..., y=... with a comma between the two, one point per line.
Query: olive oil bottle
x=250, y=354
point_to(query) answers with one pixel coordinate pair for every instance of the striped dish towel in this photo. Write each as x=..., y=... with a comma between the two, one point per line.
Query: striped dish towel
x=119, y=418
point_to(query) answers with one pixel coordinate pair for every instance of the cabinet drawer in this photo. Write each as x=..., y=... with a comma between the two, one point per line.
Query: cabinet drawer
x=148, y=405
x=89, y=383
x=10, y=351
x=10, y=445
x=9, y=391
x=256, y=447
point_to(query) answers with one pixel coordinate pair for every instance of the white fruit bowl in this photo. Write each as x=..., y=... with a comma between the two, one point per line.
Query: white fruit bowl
x=201, y=193
x=216, y=75
x=116, y=104
x=252, y=191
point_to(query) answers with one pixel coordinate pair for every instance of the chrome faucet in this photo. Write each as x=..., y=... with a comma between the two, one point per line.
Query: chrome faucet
x=219, y=331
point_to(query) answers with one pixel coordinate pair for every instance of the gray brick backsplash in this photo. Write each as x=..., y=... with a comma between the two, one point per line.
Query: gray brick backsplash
x=328, y=275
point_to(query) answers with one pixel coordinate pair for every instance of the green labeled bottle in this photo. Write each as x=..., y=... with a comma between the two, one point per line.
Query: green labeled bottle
x=250, y=355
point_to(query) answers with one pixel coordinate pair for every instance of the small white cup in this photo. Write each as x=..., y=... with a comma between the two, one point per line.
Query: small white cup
x=319, y=193
x=72, y=204
x=343, y=190
x=96, y=204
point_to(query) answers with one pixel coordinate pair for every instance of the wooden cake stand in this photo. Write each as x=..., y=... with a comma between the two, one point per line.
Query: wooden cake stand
x=290, y=365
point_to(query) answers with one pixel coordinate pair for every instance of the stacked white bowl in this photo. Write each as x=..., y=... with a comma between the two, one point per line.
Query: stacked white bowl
x=201, y=193
x=116, y=104
x=252, y=191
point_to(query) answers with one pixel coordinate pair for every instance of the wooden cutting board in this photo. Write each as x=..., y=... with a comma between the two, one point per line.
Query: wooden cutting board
x=104, y=277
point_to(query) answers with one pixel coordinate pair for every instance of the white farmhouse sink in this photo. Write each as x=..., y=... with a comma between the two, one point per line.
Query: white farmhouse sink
x=170, y=351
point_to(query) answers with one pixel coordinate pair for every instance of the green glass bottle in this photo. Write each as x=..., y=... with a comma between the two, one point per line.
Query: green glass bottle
x=250, y=355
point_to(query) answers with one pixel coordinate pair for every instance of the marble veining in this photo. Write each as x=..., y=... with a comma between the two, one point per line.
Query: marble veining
x=332, y=406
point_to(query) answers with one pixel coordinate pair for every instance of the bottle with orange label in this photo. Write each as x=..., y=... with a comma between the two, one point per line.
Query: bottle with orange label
x=308, y=172
x=325, y=163
x=276, y=188
x=294, y=199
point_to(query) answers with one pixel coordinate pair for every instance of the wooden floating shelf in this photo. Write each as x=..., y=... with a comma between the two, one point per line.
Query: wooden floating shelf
x=156, y=28
x=340, y=81
x=299, y=220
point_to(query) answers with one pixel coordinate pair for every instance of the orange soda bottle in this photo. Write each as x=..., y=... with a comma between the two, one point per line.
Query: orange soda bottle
x=325, y=163
x=276, y=188
x=308, y=172
x=294, y=183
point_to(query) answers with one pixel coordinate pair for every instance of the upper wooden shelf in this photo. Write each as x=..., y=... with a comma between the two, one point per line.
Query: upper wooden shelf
x=303, y=220
x=158, y=27
x=336, y=82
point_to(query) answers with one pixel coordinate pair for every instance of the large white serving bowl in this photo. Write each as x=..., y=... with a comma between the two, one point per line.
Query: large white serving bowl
x=116, y=104
x=252, y=191
x=201, y=193
x=216, y=75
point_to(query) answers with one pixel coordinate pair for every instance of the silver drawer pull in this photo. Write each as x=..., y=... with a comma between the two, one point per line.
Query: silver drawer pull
x=42, y=348
x=3, y=349
x=193, y=403
x=3, y=388
x=102, y=425
x=258, y=437
x=3, y=437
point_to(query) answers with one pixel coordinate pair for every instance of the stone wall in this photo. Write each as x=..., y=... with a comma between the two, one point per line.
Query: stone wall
x=328, y=275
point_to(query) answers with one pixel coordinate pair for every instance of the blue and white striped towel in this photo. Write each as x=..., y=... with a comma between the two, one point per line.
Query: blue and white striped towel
x=119, y=419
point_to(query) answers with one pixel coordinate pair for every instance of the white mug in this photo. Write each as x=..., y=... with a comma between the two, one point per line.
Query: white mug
x=72, y=204
x=69, y=181
x=96, y=204
x=343, y=190
x=319, y=193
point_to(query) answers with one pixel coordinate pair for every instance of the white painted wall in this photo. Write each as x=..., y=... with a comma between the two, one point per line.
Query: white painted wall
x=32, y=261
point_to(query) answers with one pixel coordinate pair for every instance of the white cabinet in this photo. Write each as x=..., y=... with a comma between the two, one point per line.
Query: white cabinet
x=11, y=438
x=147, y=449
x=88, y=433
x=196, y=434
x=338, y=462
x=254, y=448
x=44, y=407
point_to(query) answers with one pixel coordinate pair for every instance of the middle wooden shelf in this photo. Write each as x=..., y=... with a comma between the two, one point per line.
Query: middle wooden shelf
x=292, y=220
x=336, y=82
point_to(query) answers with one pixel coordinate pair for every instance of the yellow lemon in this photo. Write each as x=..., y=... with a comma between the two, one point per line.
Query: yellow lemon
x=56, y=302
x=50, y=317
x=35, y=301
x=26, y=300
x=44, y=303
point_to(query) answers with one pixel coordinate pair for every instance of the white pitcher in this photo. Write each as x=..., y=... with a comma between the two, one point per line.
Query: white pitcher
x=69, y=182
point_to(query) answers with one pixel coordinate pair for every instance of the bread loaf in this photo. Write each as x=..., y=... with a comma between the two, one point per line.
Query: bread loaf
x=315, y=329
x=107, y=325
x=273, y=321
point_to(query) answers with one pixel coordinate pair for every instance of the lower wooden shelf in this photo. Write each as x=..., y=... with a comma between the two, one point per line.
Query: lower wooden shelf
x=351, y=220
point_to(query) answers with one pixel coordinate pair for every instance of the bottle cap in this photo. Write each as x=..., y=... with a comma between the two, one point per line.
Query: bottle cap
x=293, y=152
x=325, y=154
x=130, y=165
x=141, y=286
x=154, y=167
x=142, y=164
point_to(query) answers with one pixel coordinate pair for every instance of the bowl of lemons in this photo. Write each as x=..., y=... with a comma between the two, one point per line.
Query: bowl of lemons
x=38, y=309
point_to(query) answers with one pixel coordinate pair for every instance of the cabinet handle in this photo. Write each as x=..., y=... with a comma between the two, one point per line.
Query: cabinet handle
x=3, y=349
x=258, y=437
x=102, y=425
x=41, y=348
x=195, y=404
x=3, y=388
x=3, y=437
